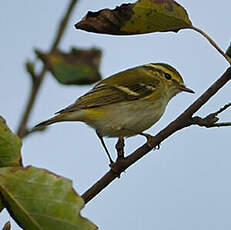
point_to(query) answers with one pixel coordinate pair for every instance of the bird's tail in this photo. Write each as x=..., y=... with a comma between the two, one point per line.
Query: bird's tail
x=70, y=116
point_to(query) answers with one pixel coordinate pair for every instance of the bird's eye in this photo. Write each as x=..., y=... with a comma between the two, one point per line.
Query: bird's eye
x=167, y=76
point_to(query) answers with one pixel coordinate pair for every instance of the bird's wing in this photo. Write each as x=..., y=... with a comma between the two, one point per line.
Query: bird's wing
x=107, y=92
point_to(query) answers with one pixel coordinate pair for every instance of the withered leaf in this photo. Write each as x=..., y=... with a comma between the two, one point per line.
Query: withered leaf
x=144, y=16
x=78, y=67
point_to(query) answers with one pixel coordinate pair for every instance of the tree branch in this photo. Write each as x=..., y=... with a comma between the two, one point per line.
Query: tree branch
x=182, y=121
x=228, y=51
x=203, y=123
x=210, y=121
x=7, y=226
x=37, y=81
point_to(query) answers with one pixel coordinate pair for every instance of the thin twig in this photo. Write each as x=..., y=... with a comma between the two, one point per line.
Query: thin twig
x=30, y=70
x=222, y=109
x=22, y=129
x=213, y=43
x=228, y=51
x=181, y=122
x=221, y=124
x=120, y=147
x=211, y=120
x=208, y=123
x=7, y=226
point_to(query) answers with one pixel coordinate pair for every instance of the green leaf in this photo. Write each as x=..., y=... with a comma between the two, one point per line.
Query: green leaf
x=10, y=146
x=40, y=200
x=77, y=67
x=144, y=16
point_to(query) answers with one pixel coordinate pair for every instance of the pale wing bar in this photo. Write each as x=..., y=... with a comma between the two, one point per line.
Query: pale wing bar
x=104, y=94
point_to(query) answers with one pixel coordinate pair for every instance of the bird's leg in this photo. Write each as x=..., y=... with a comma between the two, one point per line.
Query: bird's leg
x=105, y=147
x=149, y=140
x=120, y=156
x=120, y=147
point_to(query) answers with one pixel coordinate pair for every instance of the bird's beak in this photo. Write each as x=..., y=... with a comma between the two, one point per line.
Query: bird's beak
x=184, y=88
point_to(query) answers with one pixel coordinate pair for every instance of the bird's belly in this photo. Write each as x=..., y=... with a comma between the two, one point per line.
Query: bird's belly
x=124, y=119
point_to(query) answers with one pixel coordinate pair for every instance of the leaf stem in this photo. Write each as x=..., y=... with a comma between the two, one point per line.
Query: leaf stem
x=213, y=43
x=22, y=128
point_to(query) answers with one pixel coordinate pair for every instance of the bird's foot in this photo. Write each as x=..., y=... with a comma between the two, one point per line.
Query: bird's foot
x=117, y=167
x=149, y=141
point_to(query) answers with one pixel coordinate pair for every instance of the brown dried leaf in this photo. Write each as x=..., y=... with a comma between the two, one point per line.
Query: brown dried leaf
x=144, y=16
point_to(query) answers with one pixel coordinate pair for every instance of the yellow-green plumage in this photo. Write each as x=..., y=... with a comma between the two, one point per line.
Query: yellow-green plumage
x=126, y=103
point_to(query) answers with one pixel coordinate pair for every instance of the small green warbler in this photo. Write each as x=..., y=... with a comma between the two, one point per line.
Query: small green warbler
x=127, y=103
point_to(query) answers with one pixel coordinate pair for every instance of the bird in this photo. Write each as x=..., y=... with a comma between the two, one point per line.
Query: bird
x=126, y=103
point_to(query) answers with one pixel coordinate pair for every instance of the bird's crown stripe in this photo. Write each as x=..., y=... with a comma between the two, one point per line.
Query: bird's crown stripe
x=157, y=67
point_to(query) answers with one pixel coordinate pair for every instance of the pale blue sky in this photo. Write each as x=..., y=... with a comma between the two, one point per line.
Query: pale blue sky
x=184, y=185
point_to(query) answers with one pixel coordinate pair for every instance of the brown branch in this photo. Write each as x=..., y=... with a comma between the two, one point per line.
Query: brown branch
x=22, y=129
x=120, y=147
x=228, y=51
x=181, y=122
x=7, y=226
x=203, y=123
x=222, y=109
x=210, y=121
x=30, y=69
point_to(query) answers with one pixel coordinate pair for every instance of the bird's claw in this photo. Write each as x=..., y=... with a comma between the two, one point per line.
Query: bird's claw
x=149, y=141
x=115, y=169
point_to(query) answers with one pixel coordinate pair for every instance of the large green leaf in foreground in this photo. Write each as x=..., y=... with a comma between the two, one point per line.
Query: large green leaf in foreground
x=40, y=200
x=10, y=146
x=78, y=67
x=144, y=16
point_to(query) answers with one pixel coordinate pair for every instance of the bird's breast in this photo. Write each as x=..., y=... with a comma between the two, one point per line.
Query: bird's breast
x=125, y=118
